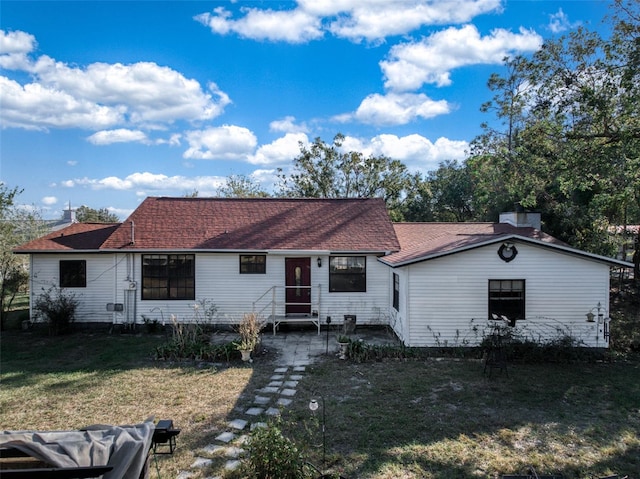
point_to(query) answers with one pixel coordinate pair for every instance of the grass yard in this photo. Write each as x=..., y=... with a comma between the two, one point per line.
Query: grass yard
x=396, y=419
x=444, y=419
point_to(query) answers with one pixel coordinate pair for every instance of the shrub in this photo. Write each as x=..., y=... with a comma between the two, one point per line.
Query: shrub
x=190, y=341
x=249, y=331
x=272, y=455
x=57, y=308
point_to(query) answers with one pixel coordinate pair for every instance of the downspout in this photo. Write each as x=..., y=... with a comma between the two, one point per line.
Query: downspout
x=115, y=287
x=407, y=308
x=131, y=271
x=31, y=287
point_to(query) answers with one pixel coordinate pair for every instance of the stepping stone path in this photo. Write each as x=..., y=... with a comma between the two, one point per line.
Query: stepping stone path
x=268, y=402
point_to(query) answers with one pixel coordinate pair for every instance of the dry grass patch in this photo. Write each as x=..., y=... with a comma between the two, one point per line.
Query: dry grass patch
x=438, y=419
x=428, y=419
x=70, y=382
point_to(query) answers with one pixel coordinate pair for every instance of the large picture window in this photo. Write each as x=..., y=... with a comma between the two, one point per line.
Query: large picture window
x=168, y=276
x=73, y=274
x=396, y=292
x=506, y=298
x=348, y=274
x=253, y=264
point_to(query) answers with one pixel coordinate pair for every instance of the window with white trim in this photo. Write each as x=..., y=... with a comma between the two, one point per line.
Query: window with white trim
x=348, y=274
x=507, y=299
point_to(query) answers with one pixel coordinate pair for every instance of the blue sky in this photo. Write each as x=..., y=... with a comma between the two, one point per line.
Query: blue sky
x=106, y=103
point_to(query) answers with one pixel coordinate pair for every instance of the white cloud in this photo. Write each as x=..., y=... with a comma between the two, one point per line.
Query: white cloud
x=49, y=200
x=292, y=26
x=100, y=95
x=119, y=212
x=559, y=22
x=266, y=178
x=288, y=125
x=16, y=42
x=376, y=20
x=415, y=151
x=396, y=109
x=34, y=106
x=227, y=142
x=281, y=151
x=14, y=49
x=150, y=182
x=355, y=20
x=411, y=65
x=72, y=162
x=121, y=135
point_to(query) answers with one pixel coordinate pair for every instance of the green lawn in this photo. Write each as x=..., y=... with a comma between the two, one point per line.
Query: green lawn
x=423, y=418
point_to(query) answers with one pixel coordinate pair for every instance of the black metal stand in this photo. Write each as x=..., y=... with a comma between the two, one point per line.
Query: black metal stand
x=165, y=435
x=496, y=357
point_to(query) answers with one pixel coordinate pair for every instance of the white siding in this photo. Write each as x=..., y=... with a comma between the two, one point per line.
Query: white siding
x=218, y=280
x=371, y=307
x=449, y=295
x=98, y=292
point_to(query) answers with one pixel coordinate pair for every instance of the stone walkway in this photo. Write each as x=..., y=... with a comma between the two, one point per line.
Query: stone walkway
x=295, y=351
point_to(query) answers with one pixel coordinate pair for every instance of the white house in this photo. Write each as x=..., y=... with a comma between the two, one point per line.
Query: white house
x=309, y=259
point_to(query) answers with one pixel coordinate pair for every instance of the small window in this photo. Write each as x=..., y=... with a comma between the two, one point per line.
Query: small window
x=253, y=264
x=348, y=274
x=396, y=292
x=73, y=274
x=168, y=276
x=506, y=298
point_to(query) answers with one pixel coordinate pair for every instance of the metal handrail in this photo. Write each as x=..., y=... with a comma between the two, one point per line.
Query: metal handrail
x=273, y=303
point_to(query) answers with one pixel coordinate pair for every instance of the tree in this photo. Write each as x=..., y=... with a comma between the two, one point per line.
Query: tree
x=241, y=186
x=84, y=214
x=326, y=171
x=569, y=138
x=418, y=202
x=17, y=226
x=452, y=191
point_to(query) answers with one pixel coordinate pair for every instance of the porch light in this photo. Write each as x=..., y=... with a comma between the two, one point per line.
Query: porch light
x=591, y=317
x=319, y=262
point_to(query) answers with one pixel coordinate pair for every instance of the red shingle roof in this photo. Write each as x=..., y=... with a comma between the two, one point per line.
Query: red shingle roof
x=258, y=224
x=424, y=240
x=77, y=236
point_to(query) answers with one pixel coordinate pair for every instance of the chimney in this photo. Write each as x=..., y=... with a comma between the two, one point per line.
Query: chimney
x=521, y=218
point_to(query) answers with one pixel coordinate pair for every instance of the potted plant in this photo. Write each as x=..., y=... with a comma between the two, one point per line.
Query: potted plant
x=249, y=331
x=343, y=342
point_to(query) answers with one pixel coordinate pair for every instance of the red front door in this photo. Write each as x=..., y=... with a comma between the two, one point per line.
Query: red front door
x=298, y=285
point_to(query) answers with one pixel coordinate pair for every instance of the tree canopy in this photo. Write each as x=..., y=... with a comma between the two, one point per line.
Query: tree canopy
x=327, y=171
x=567, y=135
x=17, y=225
x=85, y=214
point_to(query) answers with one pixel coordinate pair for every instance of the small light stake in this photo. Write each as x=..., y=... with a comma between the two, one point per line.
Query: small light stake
x=327, y=343
x=314, y=406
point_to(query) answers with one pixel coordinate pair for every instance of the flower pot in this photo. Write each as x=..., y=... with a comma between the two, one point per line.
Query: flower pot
x=246, y=354
x=343, y=350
